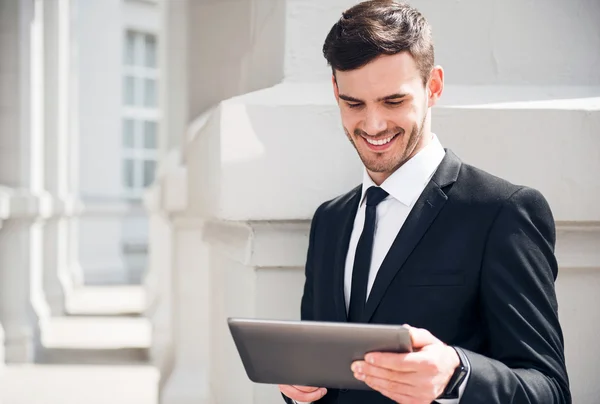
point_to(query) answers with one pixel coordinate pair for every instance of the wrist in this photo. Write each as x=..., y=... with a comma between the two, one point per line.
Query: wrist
x=455, y=358
x=458, y=376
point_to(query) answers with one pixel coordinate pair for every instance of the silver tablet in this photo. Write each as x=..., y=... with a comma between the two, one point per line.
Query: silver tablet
x=310, y=353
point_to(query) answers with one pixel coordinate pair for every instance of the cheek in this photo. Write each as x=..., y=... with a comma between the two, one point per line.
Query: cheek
x=408, y=118
x=350, y=120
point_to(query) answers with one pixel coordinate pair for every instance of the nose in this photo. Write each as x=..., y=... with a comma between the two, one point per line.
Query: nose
x=374, y=123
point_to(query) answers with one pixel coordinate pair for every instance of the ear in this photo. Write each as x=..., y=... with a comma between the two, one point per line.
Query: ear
x=336, y=90
x=435, y=86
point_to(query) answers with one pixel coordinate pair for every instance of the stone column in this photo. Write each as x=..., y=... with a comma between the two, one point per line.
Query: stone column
x=22, y=304
x=173, y=104
x=4, y=211
x=56, y=169
x=69, y=124
x=160, y=274
x=190, y=291
x=158, y=280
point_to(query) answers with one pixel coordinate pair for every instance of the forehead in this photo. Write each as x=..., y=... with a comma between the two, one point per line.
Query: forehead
x=384, y=75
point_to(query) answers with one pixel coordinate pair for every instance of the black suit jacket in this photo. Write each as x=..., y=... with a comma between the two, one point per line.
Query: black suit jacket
x=474, y=264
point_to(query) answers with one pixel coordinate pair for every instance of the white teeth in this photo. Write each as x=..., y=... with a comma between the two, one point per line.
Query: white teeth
x=380, y=142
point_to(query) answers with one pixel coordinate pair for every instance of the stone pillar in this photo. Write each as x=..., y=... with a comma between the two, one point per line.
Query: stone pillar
x=190, y=291
x=23, y=309
x=2, y=362
x=258, y=201
x=69, y=124
x=4, y=211
x=22, y=305
x=56, y=169
x=173, y=104
x=158, y=281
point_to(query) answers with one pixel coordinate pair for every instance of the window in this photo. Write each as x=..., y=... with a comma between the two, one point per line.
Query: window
x=140, y=112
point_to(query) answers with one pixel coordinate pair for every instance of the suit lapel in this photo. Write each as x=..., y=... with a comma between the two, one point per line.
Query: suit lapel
x=418, y=221
x=347, y=213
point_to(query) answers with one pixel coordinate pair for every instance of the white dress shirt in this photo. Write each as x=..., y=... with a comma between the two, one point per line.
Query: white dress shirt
x=404, y=187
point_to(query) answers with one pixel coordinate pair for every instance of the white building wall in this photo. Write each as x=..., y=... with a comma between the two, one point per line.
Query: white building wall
x=478, y=42
x=99, y=61
x=141, y=16
x=113, y=244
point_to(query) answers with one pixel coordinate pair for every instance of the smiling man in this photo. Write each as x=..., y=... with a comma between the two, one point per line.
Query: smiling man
x=464, y=258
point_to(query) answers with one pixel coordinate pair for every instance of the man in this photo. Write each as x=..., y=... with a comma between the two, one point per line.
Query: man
x=464, y=258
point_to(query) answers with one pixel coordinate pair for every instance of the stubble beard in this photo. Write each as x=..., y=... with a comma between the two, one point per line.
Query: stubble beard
x=388, y=164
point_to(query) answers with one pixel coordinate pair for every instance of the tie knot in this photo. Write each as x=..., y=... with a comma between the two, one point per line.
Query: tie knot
x=375, y=195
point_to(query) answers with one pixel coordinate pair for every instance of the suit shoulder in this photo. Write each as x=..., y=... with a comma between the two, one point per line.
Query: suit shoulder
x=478, y=186
x=486, y=186
x=340, y=202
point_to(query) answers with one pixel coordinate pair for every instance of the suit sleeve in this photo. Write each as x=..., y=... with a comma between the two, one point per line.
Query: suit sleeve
x=524, y=359
x=306, y=305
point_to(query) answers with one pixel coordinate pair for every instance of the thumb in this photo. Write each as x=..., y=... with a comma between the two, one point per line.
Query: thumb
x=421, y=337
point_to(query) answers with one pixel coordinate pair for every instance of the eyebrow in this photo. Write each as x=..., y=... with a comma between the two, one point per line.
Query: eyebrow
x=386, y=98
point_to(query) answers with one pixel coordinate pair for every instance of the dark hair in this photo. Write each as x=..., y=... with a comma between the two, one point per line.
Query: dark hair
x=379, y=27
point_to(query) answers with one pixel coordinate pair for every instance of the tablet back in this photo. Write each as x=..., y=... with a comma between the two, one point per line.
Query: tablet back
x=311, y=353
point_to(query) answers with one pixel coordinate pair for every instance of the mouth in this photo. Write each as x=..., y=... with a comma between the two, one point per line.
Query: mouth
x=380, y=144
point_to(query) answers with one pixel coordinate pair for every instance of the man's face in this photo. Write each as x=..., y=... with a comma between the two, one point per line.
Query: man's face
x=385, y=110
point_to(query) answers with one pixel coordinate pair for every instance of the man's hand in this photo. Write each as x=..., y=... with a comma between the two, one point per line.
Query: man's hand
x=413, y=378
x=302, y=393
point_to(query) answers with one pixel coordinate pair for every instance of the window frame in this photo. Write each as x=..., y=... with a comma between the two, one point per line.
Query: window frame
x=139, y=112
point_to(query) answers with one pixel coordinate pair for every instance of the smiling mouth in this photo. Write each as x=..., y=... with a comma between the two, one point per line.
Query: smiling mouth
x=380, y=142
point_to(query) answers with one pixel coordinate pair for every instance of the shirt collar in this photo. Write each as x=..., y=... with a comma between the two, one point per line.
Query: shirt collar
x=407, y=182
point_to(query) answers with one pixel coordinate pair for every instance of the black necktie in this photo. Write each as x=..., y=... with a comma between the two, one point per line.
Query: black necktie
x=364, y=252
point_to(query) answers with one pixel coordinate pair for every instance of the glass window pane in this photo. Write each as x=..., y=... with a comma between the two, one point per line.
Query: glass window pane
x=129, y=48
x=150, y=93
x=129, y=90
x=128, y=133
x=150, y=135
x=149, y=170
x=150, y=54
x=128, y=173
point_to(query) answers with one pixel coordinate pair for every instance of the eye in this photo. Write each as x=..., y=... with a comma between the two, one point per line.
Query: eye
x=354, y=105
x=394, y=103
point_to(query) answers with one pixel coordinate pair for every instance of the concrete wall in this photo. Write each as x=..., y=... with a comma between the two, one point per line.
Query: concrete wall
x=479, y=42
x=235, y=47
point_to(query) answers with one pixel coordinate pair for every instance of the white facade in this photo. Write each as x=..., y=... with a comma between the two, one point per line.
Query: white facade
x=49, y=70
x=37, y=198
x=115, y=108
x=522, y=101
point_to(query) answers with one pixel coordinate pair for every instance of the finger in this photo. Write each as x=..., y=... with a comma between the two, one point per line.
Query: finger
x=298, y=395
x=363, y=369
x=398, y=362
x=390, y=386
x=421, y=337
x=402, y=398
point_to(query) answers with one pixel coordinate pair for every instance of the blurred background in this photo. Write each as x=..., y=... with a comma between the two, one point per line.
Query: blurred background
x=160, y=161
